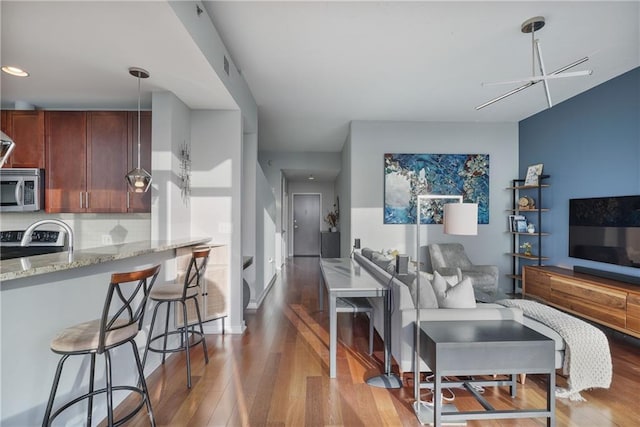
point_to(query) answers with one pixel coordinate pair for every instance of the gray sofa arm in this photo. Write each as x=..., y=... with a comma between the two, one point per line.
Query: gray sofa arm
x=449, y=271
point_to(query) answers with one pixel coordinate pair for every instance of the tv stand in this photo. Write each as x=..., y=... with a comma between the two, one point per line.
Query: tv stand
x=611, y=303
x=607, y=274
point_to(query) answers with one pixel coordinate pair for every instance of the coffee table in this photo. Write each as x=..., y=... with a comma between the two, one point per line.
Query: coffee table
x=464, y=348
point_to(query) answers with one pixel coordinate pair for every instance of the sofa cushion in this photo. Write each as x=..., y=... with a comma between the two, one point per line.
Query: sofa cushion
x=383, y=261
x=459, y=295
x=367, y=252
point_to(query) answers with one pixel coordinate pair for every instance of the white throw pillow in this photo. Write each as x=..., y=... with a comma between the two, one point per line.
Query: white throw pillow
x=459, y=295
x=427, y=296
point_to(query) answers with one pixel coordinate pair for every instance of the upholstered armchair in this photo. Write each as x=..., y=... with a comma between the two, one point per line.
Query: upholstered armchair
x=447, y=257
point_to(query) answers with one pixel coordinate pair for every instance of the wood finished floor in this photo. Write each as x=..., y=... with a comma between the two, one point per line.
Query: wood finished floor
x=276, y=374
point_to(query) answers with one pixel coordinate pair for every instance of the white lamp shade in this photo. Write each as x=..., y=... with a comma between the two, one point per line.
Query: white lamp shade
x=461, y=219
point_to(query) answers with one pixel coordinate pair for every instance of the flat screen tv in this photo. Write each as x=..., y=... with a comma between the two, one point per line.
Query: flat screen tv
x=605, y=229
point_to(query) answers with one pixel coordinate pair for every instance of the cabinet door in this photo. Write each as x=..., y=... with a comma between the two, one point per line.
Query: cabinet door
x=139, y=202
x=26, y=128
x=106, y=161
x=66, y=159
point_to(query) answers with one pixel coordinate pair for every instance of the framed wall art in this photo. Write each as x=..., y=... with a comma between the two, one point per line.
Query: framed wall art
x=408, y=175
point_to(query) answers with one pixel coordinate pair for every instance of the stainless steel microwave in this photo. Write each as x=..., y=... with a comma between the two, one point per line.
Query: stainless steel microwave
x=21, y=189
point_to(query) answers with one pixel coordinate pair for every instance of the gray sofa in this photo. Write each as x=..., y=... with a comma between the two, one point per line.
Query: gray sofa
x=403, y=313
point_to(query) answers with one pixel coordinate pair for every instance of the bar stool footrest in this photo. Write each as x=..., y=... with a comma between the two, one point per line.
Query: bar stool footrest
x=179, y=332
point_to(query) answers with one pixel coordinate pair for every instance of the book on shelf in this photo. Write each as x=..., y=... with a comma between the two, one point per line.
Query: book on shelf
x=515, y=223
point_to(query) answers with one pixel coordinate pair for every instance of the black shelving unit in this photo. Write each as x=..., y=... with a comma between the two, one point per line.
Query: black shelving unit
x=533, y=215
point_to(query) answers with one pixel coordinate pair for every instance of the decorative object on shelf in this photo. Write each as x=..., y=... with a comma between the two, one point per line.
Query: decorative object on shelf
x=185, y=171
x=521, y=226
x=531, y=228
x=408, y=175
x=531, y=25
x=332, y=218
x=526, y=203
x=138, y=179
x=527, y=248
x=513, y=222
x=533, y=174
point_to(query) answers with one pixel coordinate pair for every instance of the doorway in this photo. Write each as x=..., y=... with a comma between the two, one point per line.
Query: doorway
x=306, y=225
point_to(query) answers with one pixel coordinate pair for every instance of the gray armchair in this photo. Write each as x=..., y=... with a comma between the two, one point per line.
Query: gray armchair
x=447, y=257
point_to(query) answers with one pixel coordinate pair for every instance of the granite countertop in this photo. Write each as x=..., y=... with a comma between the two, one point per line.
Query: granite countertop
x=31, y=266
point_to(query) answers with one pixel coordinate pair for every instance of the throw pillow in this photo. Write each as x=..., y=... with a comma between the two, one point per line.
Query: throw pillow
x=459, y=295
x=427, y=296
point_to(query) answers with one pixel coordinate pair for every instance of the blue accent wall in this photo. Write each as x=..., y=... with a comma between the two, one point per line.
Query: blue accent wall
x=590, y=145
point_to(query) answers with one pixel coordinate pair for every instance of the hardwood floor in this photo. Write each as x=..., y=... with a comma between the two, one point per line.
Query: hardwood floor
x=276, y=374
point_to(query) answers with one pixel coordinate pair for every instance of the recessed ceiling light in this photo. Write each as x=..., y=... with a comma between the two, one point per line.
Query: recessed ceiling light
x=311, y=178
x=14, y=71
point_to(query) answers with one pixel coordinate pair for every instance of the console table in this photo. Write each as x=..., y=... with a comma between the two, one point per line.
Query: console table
x=343, y=277
x=460, y=348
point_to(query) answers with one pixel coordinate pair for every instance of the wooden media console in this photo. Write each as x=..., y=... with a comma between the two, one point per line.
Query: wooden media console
x=608, y=302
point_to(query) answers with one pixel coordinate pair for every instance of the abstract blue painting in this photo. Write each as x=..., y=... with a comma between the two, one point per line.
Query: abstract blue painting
x=408, y=175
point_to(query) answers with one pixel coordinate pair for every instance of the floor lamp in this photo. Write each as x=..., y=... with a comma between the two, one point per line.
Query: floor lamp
x=459, y=219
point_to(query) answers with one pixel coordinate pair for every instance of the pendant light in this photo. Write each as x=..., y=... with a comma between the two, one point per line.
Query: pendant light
x=138, y=179
x=6, y=147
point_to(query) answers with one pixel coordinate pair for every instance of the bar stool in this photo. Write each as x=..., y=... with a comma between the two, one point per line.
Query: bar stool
x=102, y=335
x=357, y=305
x=180, y=293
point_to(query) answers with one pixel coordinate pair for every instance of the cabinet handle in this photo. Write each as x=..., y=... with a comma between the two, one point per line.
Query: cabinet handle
x=87, y=197
x=81, y=199
x=128, y=200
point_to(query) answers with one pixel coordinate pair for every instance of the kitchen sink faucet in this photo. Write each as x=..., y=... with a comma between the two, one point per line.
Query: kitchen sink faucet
x=26, y=238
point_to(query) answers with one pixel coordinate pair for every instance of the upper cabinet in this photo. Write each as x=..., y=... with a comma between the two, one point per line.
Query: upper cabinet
x=88, y=155
x=26, y=128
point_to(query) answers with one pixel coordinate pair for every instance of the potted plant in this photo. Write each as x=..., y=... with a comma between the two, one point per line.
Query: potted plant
x=527, y=248
x=332, y=218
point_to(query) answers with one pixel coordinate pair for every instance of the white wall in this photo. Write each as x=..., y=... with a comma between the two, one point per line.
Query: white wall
x=170, y=216
x=343, y=191
x=216, y=193
x=249, y=212
x=371, y=140
x=265, y=222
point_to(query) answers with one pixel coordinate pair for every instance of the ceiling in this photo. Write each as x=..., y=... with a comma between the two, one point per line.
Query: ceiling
x=313, y=67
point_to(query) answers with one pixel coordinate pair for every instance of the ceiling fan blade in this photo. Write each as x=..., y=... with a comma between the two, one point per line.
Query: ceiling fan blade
x=539, y=78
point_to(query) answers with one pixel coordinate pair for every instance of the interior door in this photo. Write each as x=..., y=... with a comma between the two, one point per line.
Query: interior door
x=306, y=225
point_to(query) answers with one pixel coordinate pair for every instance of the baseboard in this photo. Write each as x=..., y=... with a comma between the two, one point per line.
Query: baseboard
x=253, y=304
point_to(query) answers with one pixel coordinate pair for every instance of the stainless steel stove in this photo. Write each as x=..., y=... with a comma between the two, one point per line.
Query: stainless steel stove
x=42, y=242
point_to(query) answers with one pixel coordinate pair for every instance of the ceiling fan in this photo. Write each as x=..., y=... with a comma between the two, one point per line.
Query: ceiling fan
x=532, y=25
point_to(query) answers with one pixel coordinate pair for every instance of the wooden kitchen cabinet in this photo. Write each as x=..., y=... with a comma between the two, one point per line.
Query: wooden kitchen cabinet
x=139, y=202
x=26, y=128
x=66, y=166
x=87, y=160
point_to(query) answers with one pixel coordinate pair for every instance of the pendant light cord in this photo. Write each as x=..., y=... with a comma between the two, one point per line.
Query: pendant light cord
x=138, y=121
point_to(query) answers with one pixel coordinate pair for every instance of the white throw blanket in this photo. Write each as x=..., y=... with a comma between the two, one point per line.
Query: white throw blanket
x=587, y=358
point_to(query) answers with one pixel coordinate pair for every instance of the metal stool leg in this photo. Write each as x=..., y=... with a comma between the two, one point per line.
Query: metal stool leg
x=204, y=341
x=166, y=332
x=143, y=383
x=186, y=342
x=107, y=374
x=150, y=335
x=92, y=375
x=54, y=388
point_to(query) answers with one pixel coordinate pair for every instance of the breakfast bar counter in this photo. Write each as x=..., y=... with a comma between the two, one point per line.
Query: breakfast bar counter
x=31, y=266
x=41, y=295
